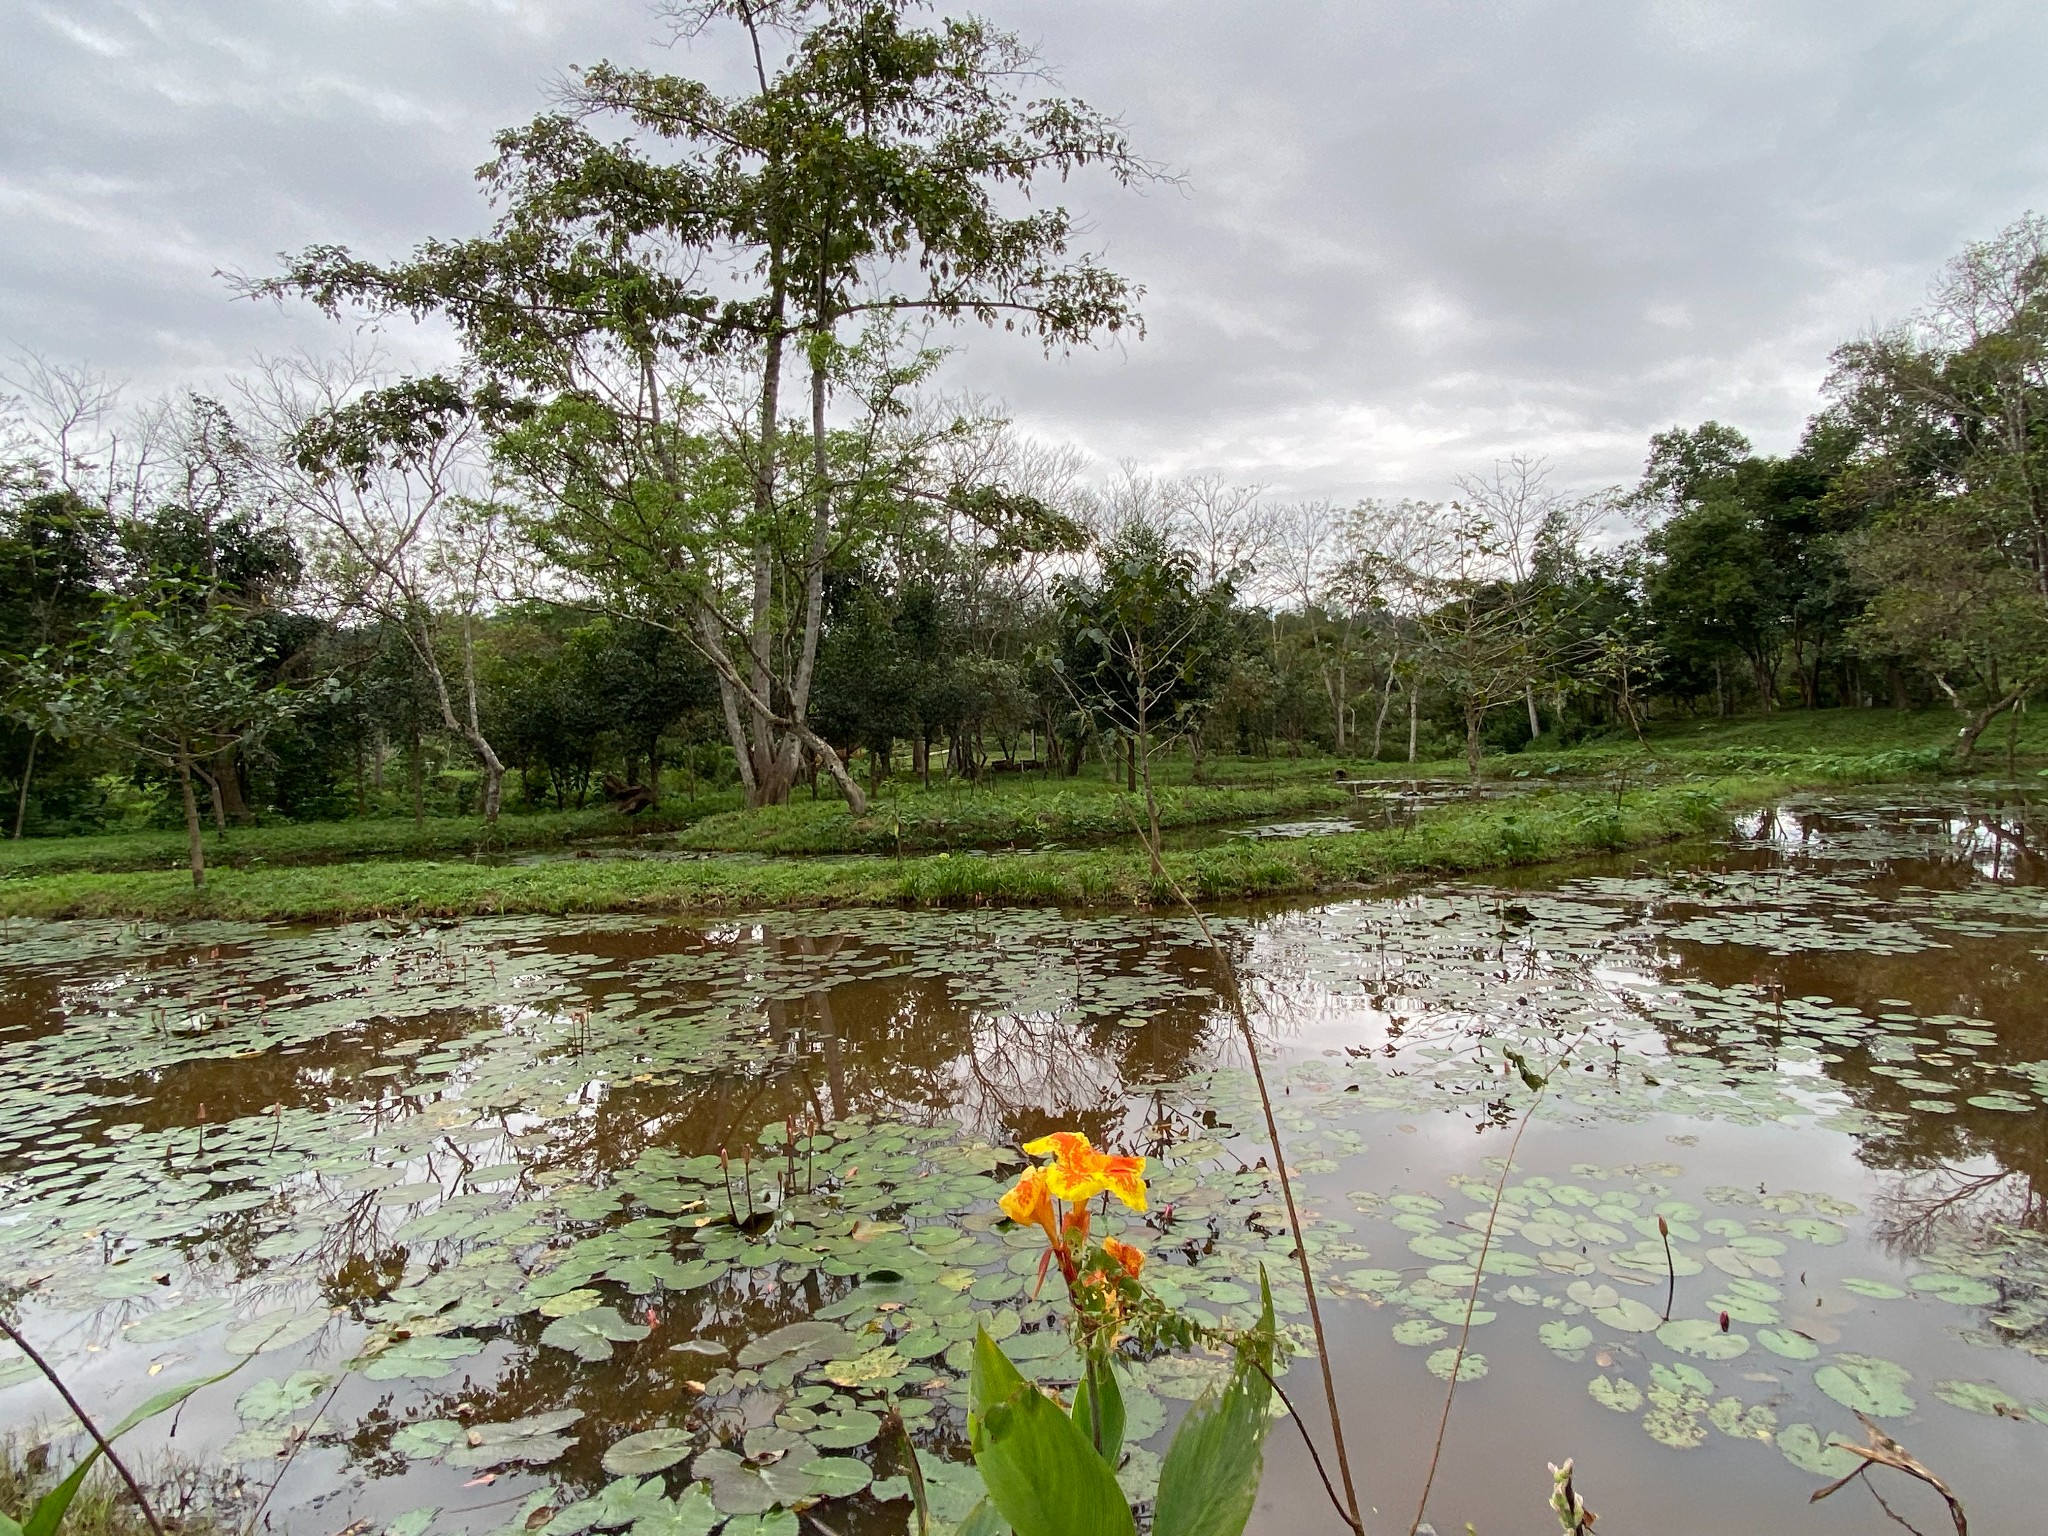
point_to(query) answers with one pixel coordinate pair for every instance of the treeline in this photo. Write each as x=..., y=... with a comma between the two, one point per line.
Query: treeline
x=691, y=507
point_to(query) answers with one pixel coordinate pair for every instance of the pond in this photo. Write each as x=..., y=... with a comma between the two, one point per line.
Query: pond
x=516, y=1224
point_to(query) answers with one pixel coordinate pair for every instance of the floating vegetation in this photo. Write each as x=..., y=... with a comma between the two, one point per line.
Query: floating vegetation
x=599, y=1224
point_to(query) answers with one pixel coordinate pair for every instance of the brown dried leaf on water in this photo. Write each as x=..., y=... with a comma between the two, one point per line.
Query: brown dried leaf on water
x=1884, y=1451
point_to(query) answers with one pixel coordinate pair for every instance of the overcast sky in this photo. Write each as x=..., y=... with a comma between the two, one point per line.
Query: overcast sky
x=1410, y=235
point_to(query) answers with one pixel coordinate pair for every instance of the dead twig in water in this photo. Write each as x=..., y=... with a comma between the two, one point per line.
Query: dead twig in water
x=1884, y=1451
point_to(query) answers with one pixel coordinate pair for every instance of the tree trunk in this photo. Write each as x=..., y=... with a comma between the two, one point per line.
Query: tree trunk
x=1474, y=717
x=195, y=841
x=28, y=770
x=1535, y=721
x=1130, y=765
x=227, y=780
x=1414, y=711
x=416, y=773
x=921, y=757
x=1720, y=692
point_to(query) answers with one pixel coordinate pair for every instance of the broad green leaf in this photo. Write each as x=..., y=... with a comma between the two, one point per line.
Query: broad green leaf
x=1042, y=1474
x=1210, y=1478
x=1099, y=1408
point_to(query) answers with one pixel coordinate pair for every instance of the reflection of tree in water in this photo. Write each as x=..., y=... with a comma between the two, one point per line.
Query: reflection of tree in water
x=1929, y=1207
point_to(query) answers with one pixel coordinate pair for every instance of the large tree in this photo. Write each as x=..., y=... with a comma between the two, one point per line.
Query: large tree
x=1953, y=408
x=664, y=252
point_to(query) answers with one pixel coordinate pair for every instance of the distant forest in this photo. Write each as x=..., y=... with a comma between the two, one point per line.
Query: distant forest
x=662, y=530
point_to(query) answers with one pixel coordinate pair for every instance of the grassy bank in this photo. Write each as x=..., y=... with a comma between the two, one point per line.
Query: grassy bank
x=1023, y=815
x=328, y=842
x=1543, y=825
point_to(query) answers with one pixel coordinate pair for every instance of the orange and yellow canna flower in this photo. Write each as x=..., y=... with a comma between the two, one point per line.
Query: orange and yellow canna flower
x=1132, y=1259
x=1030, y=1204
x=1079, y=1172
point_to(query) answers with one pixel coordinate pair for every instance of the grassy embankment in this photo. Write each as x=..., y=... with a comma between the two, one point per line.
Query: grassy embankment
x=1690, y=778
x=343, y=842
x=1543, y=825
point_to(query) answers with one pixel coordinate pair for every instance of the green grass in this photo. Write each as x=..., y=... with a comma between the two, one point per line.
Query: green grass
x=319, y=842
x=1525, y=829
x=1026, y=814
x=358, y=868
x=190, y=1502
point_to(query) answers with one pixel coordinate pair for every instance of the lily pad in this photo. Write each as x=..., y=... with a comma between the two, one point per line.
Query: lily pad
x=590, y=1334
x=1702, y=1339
x=1803, y=1446
x=1471, y=1368
x=1981, y=1397
x=1787, y=1343
x=1867, y=1384
x=1564, y=1338
x=650, y=1451
x=1616, y=1392
x=1963, y=1290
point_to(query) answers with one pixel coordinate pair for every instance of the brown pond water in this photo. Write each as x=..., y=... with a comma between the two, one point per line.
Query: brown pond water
x=1818, y=1048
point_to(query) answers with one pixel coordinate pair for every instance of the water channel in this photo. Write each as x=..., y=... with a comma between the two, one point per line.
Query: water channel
x=519, y=1225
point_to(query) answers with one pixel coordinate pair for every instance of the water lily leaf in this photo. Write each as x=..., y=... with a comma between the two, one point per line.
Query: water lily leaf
x=1701, y=1337
x=838, y=1477
x=426, y=1438
x=1593, y=1297
x=845, y=1430
x=776, y=1522
x=274, y=1330
x=650, y=1451
x=274, y=1400
x=1565, y=1338
x=1981, y=1397
x=1877, y=1290
x=1471, y=1368
x=421, y=1359
x=1866, y=1384
x=533, y=1441
x=691, y=1515
x=1616, y=1392
x=178, y=1322
x=1963, y=1290
x=882, y=1362
x=1675, y=1426
x=1802, y=1445
x=1788, y=1343
x=1813, y=1229
x=810, y=1340
x=1419, y=1330
x=1630, y=1316
x=590, y=1334
x=569, y=1303
x=1742, y=1421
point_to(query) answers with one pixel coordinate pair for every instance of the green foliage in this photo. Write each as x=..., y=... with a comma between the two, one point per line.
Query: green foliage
x=1043, y=1475
x=1047, y=1476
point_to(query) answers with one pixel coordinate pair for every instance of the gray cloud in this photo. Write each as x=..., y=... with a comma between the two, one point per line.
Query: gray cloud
x=1410, y=235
